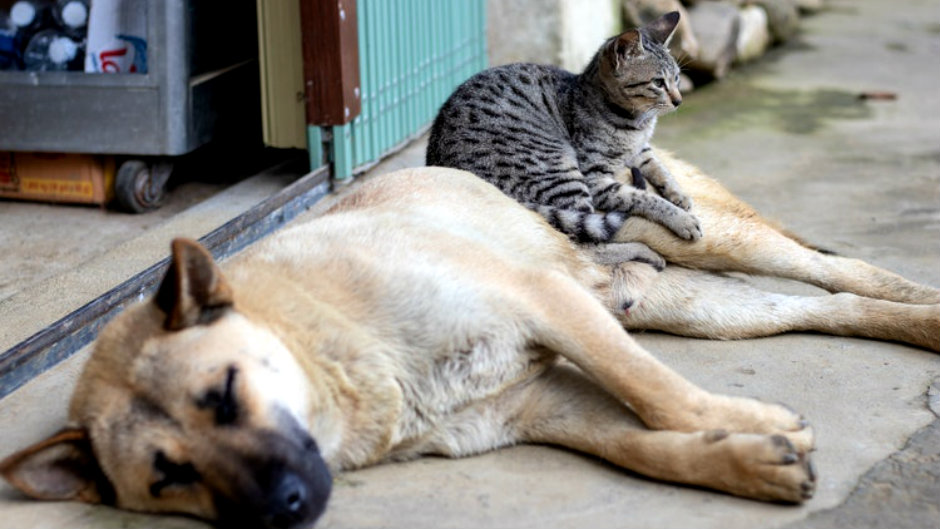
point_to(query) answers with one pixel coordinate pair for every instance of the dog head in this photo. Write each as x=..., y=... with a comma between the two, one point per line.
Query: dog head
x=186, y=406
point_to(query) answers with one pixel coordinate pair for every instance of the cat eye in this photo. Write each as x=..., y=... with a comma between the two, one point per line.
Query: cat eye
x=659, y=82
x=223, y=402
x=173, y=474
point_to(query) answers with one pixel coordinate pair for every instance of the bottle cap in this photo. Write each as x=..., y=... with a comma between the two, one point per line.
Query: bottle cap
x=22, y=14
x=75, y=14
x=62, y=50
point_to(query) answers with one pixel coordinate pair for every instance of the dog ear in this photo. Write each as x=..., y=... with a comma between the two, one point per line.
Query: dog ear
x=63, y=467
x=193, y=292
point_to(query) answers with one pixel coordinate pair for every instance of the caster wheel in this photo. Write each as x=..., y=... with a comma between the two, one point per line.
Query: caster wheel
x=139, y=186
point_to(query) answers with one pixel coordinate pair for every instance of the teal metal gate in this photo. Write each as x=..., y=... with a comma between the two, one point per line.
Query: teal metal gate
x=412, y=55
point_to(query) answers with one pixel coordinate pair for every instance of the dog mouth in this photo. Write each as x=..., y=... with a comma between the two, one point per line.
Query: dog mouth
x=286, y=488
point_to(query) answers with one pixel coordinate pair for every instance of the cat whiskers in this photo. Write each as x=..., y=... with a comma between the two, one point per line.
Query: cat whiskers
x=683, y=60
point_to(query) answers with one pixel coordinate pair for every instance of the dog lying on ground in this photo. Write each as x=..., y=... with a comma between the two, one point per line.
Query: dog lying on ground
x=427, y=313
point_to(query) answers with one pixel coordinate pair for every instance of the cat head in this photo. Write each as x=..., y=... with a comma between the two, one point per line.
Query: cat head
x=637, y=72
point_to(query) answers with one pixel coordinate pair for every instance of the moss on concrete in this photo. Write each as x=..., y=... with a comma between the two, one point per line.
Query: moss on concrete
x=737, y=105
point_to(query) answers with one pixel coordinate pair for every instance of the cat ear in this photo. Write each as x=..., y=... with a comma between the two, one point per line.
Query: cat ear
x=662, y=29
x=627, y=45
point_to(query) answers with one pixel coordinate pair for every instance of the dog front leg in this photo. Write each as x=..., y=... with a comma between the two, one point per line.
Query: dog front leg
x=706, y=305
x=563, y=408
x=567, y=320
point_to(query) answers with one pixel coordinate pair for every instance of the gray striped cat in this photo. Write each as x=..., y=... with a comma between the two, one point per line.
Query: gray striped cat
x=557, y=142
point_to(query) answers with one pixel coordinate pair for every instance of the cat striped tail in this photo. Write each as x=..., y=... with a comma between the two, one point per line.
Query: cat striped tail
x=581, y=226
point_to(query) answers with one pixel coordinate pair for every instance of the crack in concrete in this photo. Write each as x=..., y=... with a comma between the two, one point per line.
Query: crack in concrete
x=906, y=484
x=933, y=397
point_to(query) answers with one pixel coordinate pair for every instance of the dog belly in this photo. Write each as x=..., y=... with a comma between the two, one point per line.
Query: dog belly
x=451, y=411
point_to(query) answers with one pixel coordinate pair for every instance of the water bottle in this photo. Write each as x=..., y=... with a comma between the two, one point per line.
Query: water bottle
x=53, y=50
x=72, y=17
x=9, y=57
x=28, y=17
x=117, y=37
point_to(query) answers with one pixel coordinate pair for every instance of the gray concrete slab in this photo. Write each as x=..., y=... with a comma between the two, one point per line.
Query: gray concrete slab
x=790, y=136
x=51, y=272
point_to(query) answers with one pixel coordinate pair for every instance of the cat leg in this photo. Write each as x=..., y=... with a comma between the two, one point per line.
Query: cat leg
x=708, y=305
x=738, y=239
x=611, y=195
x=565, y=318
x=615, y=253
x=564, y=408
x=660, y=178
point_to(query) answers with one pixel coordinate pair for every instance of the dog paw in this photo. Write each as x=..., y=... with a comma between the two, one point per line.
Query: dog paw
x=739, y=415
x=746, y=415
x=764, y=467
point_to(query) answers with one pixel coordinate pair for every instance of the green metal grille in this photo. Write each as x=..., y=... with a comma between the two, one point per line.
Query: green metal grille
x=412, y=55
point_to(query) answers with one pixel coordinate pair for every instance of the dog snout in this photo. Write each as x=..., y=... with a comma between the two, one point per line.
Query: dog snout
x=288, y=502
x=280, y=482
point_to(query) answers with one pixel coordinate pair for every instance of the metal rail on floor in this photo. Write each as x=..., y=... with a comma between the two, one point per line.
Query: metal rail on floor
x=62, y=339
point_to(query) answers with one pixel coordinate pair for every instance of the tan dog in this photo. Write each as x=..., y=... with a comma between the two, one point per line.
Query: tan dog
x=426, y=314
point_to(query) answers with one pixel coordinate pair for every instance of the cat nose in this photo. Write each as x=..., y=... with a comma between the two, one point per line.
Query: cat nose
x=676, y=102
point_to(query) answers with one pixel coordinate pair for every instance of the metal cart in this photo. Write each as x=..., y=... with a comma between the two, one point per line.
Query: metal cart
x=201, y=85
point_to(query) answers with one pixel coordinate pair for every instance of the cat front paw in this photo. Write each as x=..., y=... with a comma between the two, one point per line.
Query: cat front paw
x=679, y=199
x=685, y=225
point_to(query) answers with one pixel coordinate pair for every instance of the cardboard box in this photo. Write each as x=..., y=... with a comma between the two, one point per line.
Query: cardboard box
x=54, y=177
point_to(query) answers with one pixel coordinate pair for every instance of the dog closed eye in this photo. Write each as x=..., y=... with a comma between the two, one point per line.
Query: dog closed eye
x=223, y=402
x=173, y=474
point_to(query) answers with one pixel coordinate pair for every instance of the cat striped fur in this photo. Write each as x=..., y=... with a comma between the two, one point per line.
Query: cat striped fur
x=563, y=144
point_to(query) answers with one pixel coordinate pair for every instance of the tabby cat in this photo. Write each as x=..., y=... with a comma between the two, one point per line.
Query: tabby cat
x=558, y=142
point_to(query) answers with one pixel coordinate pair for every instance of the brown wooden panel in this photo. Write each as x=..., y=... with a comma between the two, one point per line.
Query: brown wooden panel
x=331, y=61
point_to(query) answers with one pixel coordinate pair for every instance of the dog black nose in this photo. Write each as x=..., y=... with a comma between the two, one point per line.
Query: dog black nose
x=291, y=494
x=287, y=502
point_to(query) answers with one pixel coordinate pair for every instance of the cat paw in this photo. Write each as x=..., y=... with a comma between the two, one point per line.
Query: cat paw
x=623, y=252
x=679, y=199
x=685, y=225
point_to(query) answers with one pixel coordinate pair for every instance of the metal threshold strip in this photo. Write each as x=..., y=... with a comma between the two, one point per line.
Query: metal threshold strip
x=60, y=340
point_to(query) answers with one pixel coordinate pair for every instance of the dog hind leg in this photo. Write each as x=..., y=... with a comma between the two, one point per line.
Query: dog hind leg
x=736, y=238
x=705, y=305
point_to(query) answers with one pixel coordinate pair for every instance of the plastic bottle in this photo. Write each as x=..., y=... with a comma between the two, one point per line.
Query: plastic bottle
x=28, y=17
x=53, y=50
x=117, y=37
x=9, y=56
x=72, y=17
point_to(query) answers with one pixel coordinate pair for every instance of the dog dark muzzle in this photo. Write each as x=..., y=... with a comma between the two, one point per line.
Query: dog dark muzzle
x=286, y=487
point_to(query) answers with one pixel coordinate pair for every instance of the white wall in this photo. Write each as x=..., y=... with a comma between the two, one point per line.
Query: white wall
x=561, y=32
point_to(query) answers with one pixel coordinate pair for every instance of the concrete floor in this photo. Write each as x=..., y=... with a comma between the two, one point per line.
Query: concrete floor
x=84, y=250
x=790, y=136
